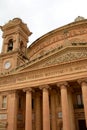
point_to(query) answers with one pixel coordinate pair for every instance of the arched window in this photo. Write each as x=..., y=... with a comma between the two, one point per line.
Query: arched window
x=10, y=45
x=21, y=45
x=22, y=48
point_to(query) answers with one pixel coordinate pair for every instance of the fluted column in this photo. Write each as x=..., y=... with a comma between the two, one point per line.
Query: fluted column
x=12, y=110
x=46, y=111
x=28, y=117
x=53, y=111
x=65, y=107
x=38, y=111
x=84, y=95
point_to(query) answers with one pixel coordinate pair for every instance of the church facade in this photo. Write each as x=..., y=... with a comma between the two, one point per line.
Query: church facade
x=44, y=86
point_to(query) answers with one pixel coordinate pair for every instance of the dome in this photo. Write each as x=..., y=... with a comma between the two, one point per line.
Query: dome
x=79, y=18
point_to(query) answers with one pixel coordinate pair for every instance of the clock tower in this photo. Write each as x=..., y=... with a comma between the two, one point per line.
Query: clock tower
x=15, y=39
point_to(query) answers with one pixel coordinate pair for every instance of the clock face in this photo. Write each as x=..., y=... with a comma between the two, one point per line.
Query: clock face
x=7, y=65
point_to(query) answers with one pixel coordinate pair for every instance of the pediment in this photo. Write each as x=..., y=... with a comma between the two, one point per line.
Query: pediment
x=64, y=55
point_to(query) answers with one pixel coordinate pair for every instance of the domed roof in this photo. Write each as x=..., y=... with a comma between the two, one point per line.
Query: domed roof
x=56, y=37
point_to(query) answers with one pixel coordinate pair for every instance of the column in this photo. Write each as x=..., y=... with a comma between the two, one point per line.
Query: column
x=28, y=117
x=65, y=107
x=12, y=110
x=38, y=112
x=46, y=111
x=71, y=108
x=53, y=111
x=84, y=95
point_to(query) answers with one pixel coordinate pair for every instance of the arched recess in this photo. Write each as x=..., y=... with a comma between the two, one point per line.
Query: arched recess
x=10, y=45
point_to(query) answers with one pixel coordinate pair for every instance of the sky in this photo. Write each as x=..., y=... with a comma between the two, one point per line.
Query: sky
x=41, y=16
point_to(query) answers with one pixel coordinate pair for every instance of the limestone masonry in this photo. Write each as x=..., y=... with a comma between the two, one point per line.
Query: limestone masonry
x=44, y=86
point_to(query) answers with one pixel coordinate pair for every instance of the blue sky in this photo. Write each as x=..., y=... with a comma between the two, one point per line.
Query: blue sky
x=41, y=16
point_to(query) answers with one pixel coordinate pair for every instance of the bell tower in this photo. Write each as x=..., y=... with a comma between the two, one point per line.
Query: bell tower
x=15, y=39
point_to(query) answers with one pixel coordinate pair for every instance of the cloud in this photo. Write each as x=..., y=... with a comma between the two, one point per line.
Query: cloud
x=42, y=16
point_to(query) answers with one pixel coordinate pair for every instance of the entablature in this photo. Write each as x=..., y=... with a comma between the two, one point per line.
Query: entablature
x=49, y=75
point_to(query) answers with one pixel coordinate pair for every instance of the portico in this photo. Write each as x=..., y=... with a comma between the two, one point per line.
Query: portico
x=40, y=113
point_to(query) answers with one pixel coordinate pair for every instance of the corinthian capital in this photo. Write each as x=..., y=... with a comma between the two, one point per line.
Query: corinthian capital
x=81, y=81
x=44, y=87
x=28, y=90
x=61, y=84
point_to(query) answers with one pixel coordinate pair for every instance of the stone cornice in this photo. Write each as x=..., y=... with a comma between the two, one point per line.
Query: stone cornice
x=8, y=54
x=47, y=75
x=14, y=72
x=15, y=22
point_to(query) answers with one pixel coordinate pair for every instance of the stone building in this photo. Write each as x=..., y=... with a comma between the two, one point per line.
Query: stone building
x=44, y=86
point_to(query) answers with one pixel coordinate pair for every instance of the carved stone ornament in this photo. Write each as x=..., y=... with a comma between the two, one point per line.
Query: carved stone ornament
x=29, y=90
x=44, y=87
x=83, y=80
x=69, y=56
x=62, y=84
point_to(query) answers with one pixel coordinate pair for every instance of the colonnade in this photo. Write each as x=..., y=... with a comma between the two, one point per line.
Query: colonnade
x=66, y=103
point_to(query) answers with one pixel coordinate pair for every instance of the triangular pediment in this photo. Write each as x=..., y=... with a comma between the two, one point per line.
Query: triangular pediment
x=57, y=57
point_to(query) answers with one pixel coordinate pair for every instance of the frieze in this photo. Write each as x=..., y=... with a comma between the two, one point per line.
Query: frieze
x=44, y=74
x=67, y=70
x=21, y=78
x=7, y=80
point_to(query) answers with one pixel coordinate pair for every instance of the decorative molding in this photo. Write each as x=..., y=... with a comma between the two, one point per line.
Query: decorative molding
x=44, y=73
x=69, y=56
x=28, y=90
x=44, y=87
x=62, y=84
x=62, y=35
x=82, y=81
x=61, y=54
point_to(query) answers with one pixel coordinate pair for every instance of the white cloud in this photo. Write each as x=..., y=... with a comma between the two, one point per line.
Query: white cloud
x=42, y=16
